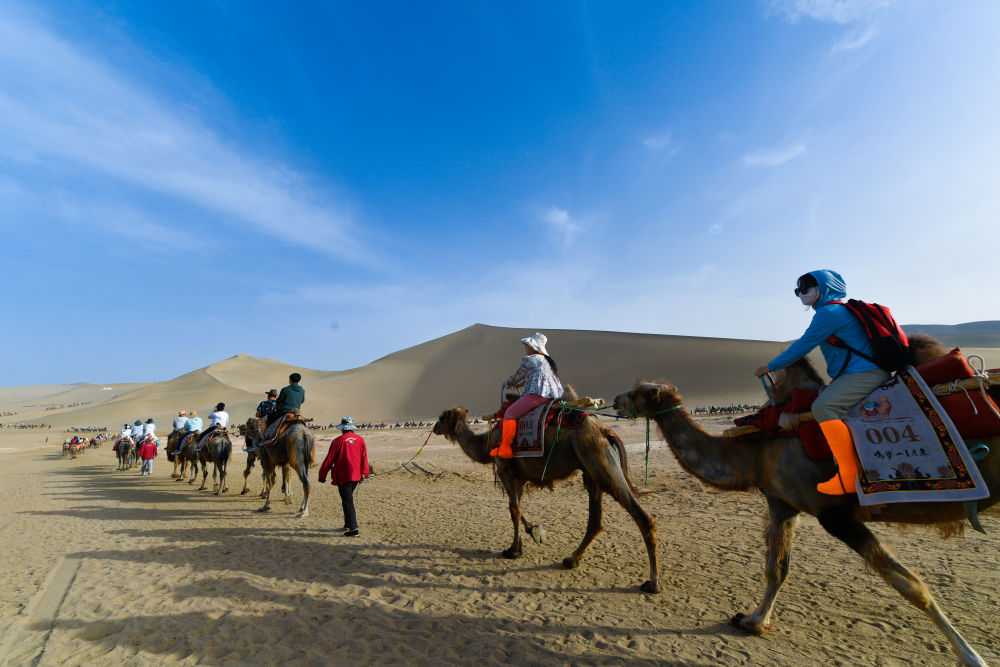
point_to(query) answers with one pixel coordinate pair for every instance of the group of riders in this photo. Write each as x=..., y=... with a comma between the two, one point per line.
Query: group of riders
x=840, y=335
x=189, y=425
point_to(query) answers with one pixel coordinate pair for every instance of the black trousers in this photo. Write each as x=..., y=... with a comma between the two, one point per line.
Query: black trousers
x=347, y=499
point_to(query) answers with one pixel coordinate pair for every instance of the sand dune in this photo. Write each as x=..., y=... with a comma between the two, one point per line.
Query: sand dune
x=466, y=367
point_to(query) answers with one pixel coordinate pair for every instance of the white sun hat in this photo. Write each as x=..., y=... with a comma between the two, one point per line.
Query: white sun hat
x=537, y=343
x=346, y=424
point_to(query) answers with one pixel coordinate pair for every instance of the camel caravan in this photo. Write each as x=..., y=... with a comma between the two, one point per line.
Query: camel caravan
x=792, y=450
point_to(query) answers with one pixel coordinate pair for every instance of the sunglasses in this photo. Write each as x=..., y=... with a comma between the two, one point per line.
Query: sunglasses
x=802, y=289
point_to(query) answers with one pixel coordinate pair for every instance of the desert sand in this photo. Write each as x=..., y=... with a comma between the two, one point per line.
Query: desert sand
x=107, y=567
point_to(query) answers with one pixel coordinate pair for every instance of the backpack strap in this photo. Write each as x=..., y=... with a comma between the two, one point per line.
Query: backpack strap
x=836, y=342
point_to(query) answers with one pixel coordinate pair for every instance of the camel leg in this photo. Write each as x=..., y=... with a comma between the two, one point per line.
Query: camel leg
x=610, y=477
x=856, y=535
x=246, y=474
x=194, y=471
x=269, y=477
x=594, y=526
x=782, y=519
x=514, y=488
x=204, y=475
x=303, y=469
x=286, y=488
x=223, y=487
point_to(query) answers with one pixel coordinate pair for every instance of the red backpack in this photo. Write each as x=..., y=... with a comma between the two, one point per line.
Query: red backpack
x=890, y=346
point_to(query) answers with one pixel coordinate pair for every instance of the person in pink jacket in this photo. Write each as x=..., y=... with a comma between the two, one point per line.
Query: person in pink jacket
x=347, y=463
x=147, y=453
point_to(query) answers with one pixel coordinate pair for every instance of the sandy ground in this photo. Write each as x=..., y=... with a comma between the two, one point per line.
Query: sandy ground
x=106, y=567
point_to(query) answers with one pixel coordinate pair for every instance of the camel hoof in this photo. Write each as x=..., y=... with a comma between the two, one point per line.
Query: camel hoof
x=510, y=553
x=265, y=508
x=244, y=492
x=538, y=534
x=747, y=623
x=570, y=563
x=301, y=515
x=288, y=500
x=650, y=587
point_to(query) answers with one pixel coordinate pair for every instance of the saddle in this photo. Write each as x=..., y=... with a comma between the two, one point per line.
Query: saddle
x=530, y=434
x=275, y=429
x=973, y=411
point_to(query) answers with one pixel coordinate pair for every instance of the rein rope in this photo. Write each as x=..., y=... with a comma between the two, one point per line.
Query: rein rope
x=403, y=465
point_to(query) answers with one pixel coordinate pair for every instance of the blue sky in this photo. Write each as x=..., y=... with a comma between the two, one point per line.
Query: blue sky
x=326, y=183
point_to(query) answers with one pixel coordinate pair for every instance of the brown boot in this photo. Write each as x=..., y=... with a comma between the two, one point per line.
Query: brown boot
x=504, y=450
x=838, y=436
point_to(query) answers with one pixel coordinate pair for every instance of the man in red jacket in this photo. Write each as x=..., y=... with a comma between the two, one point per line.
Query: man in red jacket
x=347, y=460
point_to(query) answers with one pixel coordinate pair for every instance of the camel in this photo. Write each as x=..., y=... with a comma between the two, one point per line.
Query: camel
x=171, y=451
x=593, y=449
x=185, y=455
x=125, y=451
x=296, y=448
x=217, y=450
x=778, y=466
x=251, y=435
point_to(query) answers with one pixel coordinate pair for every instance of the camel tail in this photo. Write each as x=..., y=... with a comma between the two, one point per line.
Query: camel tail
x=622, y=456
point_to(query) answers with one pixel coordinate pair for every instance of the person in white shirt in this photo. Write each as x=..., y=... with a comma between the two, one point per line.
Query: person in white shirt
x=126, y=429
x=149, y=428
x=220, y=419
x=136, y=431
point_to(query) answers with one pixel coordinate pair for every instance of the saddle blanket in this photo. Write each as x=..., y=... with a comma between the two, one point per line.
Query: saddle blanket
x=273, y=431
x=529, y=440
x=908, y=447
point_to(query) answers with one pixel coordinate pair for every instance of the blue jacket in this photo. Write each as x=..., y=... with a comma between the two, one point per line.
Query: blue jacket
x=830, y=320
x=192, y=424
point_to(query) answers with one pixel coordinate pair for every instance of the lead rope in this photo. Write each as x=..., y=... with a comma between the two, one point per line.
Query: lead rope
x=984, y=379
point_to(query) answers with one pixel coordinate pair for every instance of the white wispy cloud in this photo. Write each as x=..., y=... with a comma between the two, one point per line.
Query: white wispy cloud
x=855, y=39
x=658, y=142
x=773, y=157
x=63, y=106
x=562, y=222
x=836, y=11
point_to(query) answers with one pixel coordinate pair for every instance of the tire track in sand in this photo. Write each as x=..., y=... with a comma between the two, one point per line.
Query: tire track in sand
x=24, y=645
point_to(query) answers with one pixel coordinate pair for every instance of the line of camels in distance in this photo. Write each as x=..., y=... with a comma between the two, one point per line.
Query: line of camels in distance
x=776, y=465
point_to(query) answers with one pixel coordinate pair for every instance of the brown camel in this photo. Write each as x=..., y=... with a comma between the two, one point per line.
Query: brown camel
x=295, y=448
x=251, y=435
x=171, y=451
x=779, y=468
x=593, y=449
x=217, y=450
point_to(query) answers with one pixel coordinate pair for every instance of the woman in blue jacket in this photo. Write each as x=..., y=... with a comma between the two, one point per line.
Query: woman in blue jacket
x=853, y=376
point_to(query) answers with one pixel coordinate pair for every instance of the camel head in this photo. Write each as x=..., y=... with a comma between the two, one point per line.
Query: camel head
x=647, y=399
x=447, y=423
